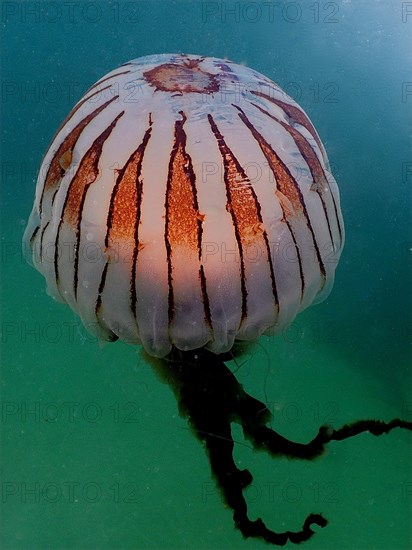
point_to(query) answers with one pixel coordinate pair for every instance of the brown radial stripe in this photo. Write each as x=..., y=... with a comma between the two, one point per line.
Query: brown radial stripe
x=54, y=195
x=245, y=210
x=74, y=111
x=63, y=156
x=106, y=79
x=286, y=184
x=183, y=227
x=295, y=114
x=76, y=194
x=125, y=201
x=315, y=167
x=100, y=289
x=41, y=240
x=124, y=211
x=33, y=235
x=113, y=336
x=301, y=274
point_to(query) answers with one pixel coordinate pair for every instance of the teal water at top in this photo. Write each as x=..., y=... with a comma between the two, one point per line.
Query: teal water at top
x=95, y=454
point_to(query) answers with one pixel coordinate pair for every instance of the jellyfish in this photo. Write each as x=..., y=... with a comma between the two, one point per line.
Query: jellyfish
x=186, y=204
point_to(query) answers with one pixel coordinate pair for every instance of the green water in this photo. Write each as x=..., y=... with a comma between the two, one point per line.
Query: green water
x=103, y=460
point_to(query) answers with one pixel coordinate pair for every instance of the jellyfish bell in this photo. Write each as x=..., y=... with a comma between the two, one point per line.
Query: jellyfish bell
x=186, y=204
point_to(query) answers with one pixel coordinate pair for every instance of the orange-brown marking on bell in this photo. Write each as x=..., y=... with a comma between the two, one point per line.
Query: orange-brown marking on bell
x=63, y=156
x=182, y=214
x=285, y=182
x=76, y=195
x=244, y=207
x=185, y=77
x=294, y=113
x=287, y=188
x=242, y=200
x=66, y=159
x=86, y=174
x=287, y=208
x=124, y=206
x=123, y=218
x=183, y=221
x=306, y=150
x=320, y=183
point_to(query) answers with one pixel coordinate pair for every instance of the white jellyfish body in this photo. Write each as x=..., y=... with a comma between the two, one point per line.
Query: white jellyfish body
x=186, y=201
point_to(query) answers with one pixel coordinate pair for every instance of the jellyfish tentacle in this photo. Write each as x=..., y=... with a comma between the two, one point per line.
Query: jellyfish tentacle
x=374, y=427
x=265, y=438
x=232, y=481
x=253, y=416
x=258, y=529
x=210, y=398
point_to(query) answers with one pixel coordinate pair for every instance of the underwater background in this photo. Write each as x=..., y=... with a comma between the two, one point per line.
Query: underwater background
x=94, y=453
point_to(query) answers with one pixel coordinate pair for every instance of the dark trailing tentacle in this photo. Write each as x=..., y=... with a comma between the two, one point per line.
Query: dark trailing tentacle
x=375, y=427
x=265, y=438
x=211, y=398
